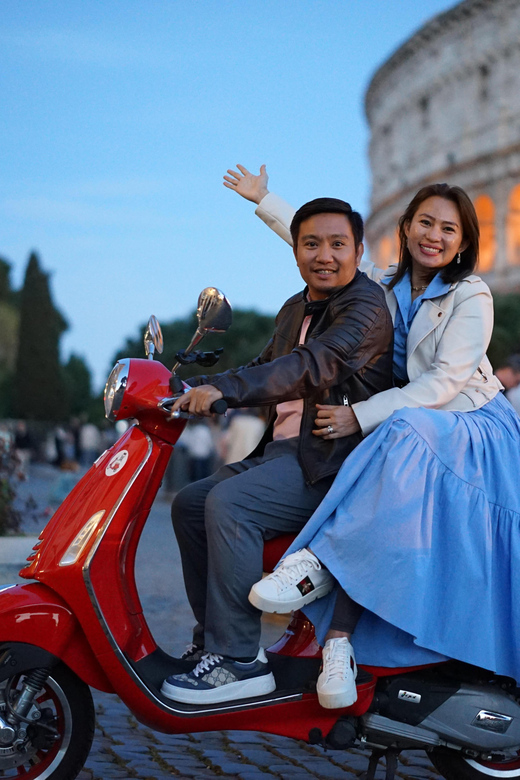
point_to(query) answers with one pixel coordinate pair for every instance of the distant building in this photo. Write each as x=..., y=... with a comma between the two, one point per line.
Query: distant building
x=446, y=107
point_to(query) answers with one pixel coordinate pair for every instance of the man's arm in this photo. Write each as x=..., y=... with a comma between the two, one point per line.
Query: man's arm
x=200, y=399
x=359, y=332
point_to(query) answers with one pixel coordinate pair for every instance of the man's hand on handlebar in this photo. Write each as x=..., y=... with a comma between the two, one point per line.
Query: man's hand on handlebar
x=251, y=187
x=198, y=400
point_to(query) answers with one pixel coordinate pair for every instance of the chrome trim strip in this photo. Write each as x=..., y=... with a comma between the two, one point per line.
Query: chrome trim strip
x=224, y=706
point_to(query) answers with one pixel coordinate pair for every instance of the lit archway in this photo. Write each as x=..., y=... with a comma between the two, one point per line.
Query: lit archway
x=387, y=251
x=513, y=227
x=485, y=209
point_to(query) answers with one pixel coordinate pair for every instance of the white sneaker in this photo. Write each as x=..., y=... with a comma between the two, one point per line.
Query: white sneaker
x=297, y=581
x=336, y=686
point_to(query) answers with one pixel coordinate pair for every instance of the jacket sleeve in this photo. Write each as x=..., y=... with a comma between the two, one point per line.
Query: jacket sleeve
x=440, y=376
x=264, y=357
x=277, y=214
x=355, y=336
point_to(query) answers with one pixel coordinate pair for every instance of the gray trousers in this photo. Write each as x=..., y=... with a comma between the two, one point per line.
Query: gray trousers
x=221, y=523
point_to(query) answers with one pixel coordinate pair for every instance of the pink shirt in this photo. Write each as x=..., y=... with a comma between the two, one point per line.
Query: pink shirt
x=289, y=413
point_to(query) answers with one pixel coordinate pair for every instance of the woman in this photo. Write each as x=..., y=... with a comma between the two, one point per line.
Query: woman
x=420, y=526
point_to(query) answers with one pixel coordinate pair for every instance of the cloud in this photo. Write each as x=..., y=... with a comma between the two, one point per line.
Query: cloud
x=78, y=47
x=80, y=213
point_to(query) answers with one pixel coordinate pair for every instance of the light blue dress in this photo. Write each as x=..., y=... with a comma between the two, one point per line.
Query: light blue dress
x=422, y=528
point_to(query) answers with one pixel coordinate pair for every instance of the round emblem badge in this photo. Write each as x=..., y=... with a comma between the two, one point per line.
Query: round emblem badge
x=116, y=463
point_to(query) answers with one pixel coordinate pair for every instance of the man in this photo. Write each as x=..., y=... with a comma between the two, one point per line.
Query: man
x=332, y=345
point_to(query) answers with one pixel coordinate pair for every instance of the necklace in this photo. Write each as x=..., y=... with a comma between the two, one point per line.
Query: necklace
x=417, y=289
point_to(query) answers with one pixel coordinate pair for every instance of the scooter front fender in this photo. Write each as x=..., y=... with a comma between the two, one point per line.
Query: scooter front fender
x=33, y=614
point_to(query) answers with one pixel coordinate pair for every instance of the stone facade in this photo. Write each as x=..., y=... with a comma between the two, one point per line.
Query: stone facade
x=446, y=107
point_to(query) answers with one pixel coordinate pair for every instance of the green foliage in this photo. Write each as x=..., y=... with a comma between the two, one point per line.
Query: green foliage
x=38, y=386
x=77, y=385
x=506, y=333
x=245, y=339
x=10, y=518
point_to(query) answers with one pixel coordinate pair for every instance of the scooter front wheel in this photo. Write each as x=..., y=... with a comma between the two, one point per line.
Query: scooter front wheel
x=454, y=766
x=56, y=745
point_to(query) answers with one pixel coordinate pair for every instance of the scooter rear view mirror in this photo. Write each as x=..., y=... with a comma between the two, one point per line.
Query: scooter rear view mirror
x=213, y=311
x=214, y=314
x=153, y=338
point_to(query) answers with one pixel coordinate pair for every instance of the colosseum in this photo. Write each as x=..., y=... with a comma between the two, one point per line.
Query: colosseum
x=446, y=107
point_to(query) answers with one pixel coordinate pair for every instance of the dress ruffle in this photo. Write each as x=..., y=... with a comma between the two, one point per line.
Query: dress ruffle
x=422, y=527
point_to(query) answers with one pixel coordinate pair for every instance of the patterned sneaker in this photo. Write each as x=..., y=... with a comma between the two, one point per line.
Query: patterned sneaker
x=217, y=678
x=297, y=581
x=336, y=686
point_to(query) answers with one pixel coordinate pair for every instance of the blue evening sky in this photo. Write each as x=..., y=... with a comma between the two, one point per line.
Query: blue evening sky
x=120, y=117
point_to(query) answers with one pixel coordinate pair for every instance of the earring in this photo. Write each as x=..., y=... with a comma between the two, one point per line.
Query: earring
x=458, y=259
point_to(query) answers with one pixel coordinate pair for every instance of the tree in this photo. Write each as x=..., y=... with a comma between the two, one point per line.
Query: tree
x=245, y=339
x=78, y=385
x=506, y=333
x=39, y=388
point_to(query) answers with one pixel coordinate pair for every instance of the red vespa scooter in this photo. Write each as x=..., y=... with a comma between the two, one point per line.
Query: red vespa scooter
x=81, y=624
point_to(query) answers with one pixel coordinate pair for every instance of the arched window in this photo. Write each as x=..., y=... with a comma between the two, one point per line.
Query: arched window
x=485, y=209
x=388, y=250
x=513, y=227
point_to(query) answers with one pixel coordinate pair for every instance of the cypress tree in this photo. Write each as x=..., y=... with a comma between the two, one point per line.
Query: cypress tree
x=39, y=391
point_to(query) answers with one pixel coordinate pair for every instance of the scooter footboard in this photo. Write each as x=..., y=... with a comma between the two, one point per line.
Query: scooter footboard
x=34, y=616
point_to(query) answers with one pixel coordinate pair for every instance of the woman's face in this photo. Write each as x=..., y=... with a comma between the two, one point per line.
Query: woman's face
x=435, y=233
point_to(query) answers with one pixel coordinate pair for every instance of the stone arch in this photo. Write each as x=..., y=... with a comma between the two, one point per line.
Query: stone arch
x=513, y=227
x=485, y=209
x=387, y=251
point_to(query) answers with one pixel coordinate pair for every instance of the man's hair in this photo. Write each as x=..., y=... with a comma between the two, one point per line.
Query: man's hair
x=328, y=206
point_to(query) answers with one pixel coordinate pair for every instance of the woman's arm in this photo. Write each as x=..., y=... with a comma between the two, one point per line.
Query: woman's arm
x=438, y=373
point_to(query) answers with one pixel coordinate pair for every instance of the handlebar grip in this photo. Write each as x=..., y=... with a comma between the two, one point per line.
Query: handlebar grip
x=219, y=407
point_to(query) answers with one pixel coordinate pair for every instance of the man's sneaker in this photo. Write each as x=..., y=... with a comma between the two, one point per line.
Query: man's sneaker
x=336, y=686
x=297, y=581
x=217, y=678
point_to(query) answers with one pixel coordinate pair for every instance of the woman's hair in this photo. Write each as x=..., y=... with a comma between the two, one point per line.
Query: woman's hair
x=328, y=206
x=453, y=272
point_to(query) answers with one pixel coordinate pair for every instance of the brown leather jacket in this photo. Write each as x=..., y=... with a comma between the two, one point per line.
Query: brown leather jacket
x=347, y=357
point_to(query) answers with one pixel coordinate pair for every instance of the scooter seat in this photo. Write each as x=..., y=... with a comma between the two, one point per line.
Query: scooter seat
x=274, y=549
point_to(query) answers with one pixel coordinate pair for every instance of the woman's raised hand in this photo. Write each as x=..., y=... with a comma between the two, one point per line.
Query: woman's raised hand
x=251, y=187
x=333, y=422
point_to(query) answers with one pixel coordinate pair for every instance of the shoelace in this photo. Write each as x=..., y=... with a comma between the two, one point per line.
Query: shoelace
x=207, y=661
x=338, y=660
x=290, y=571
x=190, y=650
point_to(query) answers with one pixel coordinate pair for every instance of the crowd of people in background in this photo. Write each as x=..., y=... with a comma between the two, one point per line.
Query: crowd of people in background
x=204, y=446
x=72, y=448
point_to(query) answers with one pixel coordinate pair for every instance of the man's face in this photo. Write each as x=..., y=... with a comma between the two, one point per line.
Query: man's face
x=325, y=254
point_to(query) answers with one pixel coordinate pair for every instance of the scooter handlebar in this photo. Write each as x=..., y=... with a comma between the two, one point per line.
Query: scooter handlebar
x=219, y=407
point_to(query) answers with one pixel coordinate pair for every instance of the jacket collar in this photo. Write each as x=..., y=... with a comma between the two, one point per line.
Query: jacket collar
x=315, y=307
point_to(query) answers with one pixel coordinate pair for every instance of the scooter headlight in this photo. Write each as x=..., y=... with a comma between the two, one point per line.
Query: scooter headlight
x=115, y=388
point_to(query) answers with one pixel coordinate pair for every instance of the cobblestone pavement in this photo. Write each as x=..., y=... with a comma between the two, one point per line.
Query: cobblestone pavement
x=124, y=749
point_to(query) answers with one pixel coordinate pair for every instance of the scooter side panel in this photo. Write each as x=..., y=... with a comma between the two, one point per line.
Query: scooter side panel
x=34, y=615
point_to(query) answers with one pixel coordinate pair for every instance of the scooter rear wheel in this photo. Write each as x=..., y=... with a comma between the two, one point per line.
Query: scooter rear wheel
x=65, y=704
x=453, y=766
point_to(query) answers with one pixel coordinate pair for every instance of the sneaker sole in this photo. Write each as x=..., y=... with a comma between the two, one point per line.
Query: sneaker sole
x=336, y=701
x=241, y=689
x=279, y=607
